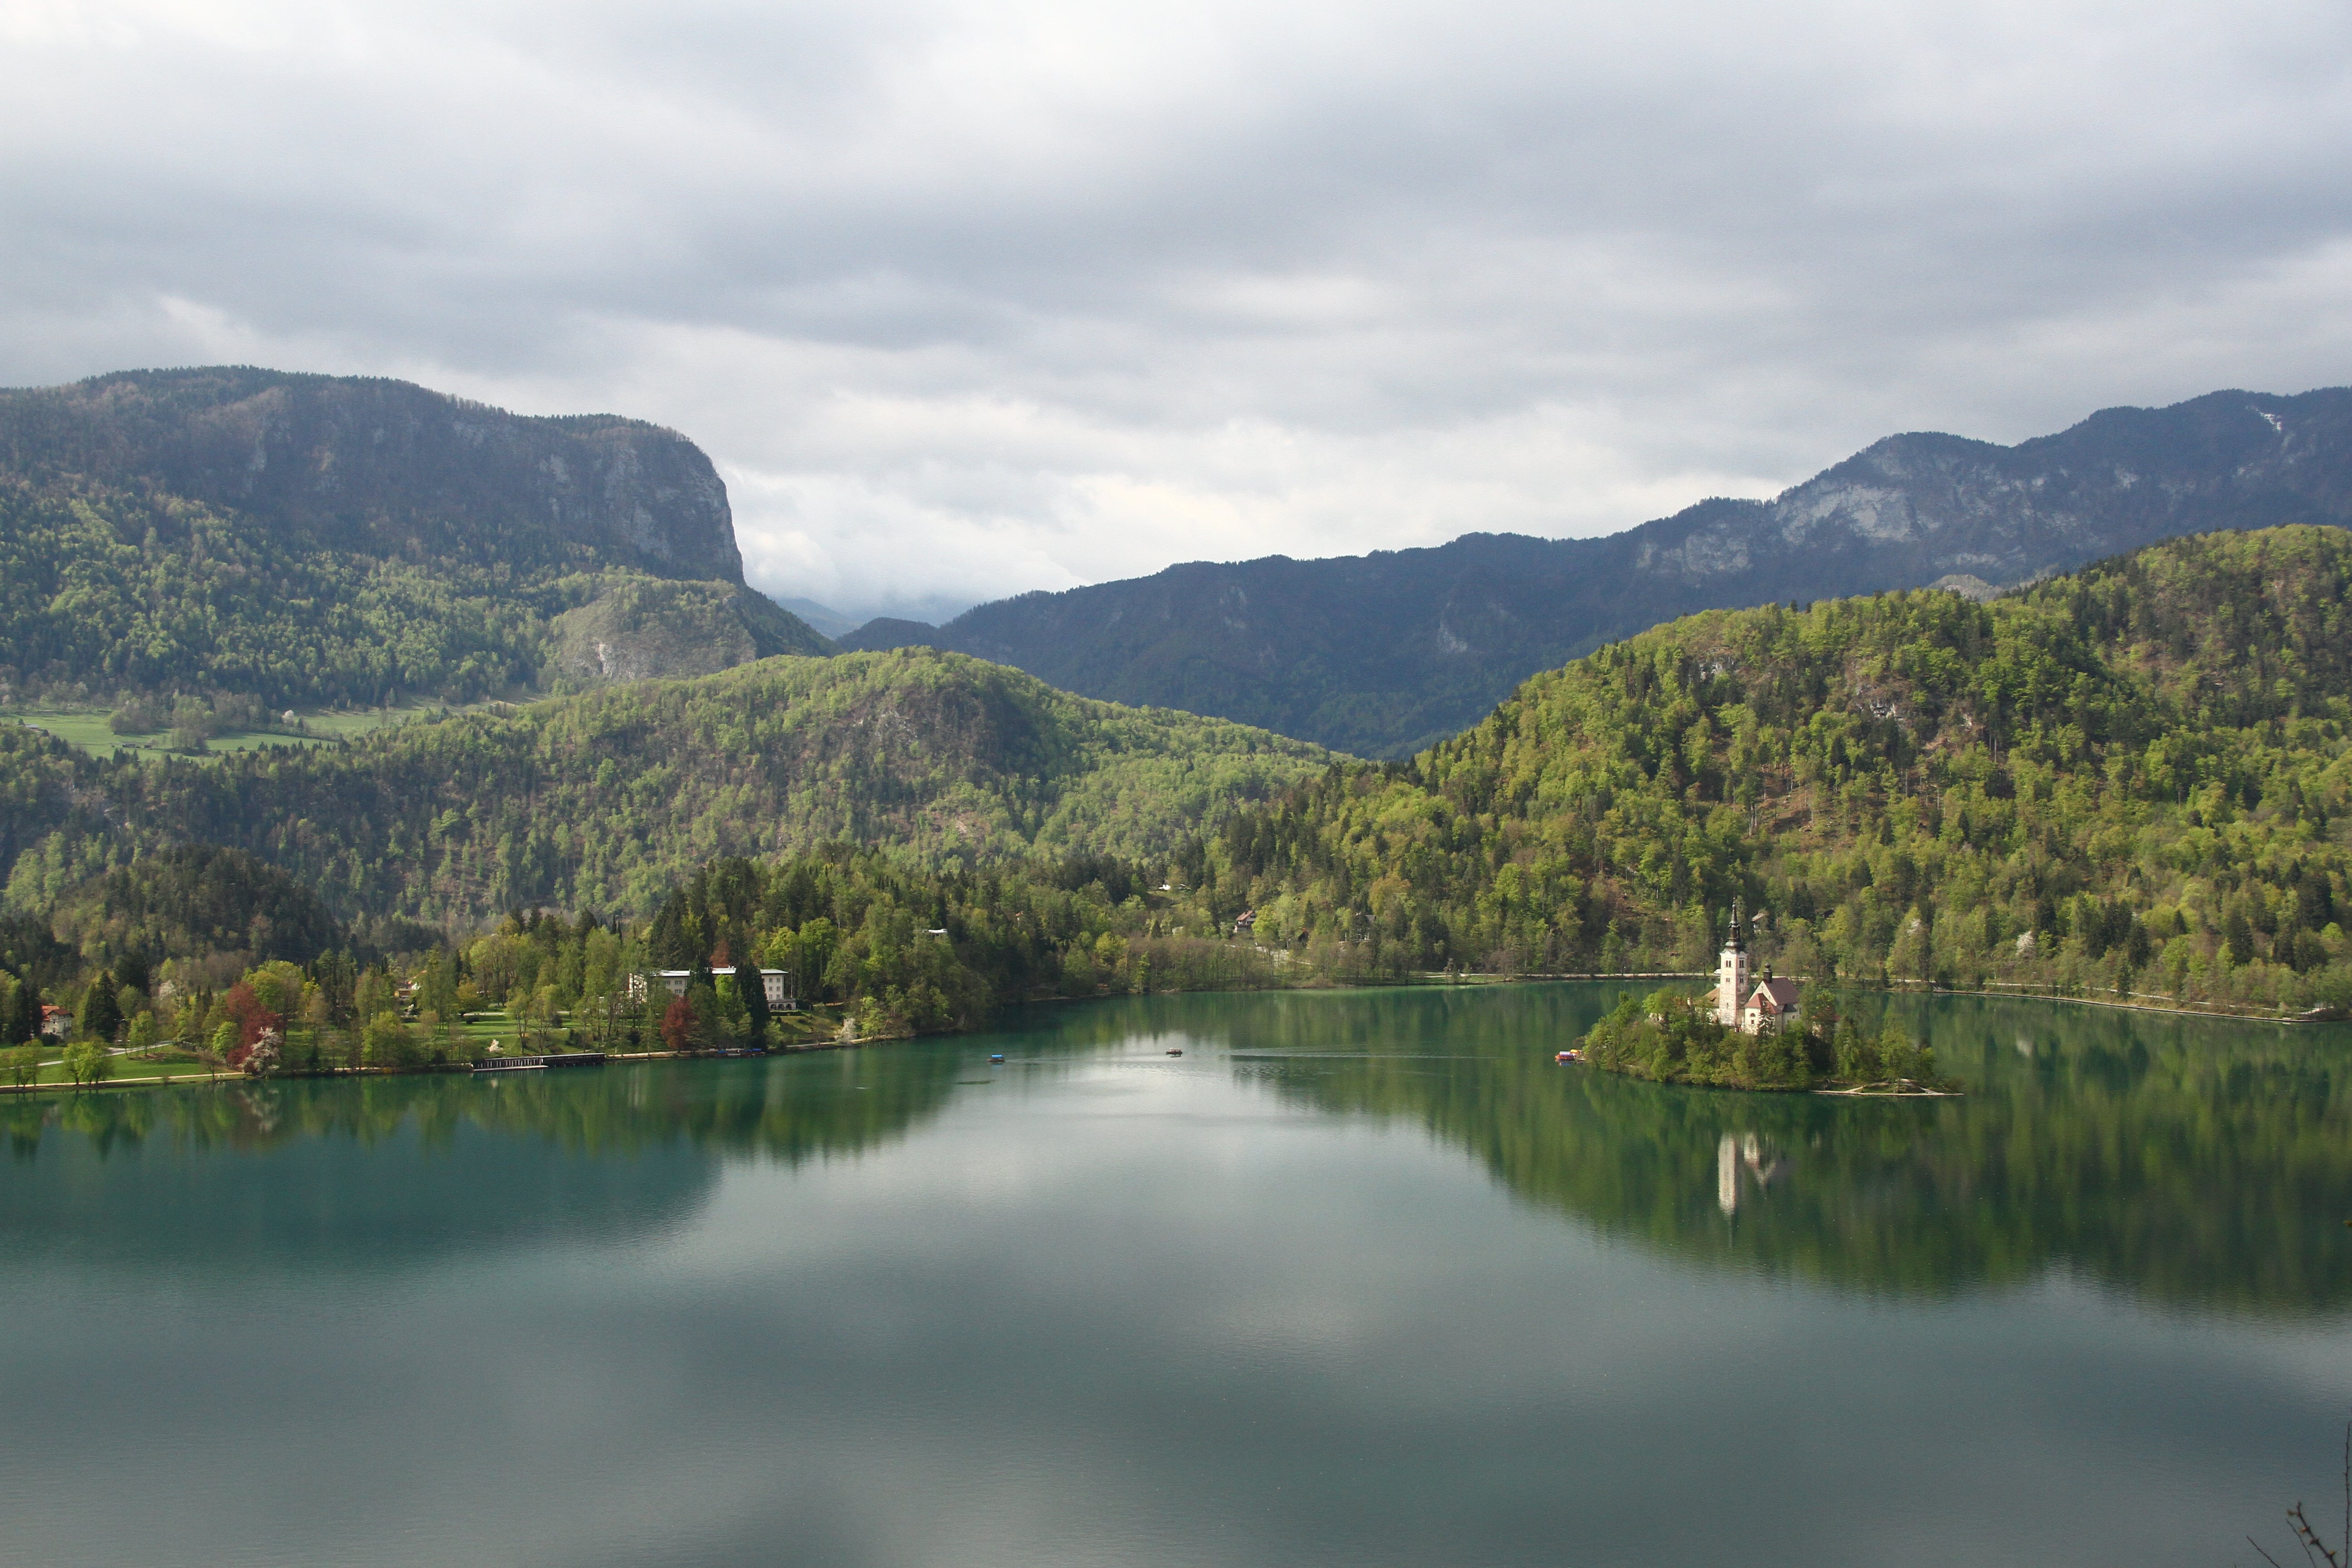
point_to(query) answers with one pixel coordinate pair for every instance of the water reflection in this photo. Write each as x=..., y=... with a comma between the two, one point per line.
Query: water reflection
x=1740, y=1158
x=2198, y=1162
x=2193, y=1163
x=377, y=1174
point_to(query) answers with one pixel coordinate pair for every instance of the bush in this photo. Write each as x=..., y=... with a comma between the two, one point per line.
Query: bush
x=387, y=1043
x=134, y=718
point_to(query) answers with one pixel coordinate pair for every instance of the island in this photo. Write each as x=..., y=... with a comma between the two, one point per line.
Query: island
x=1756, y=1032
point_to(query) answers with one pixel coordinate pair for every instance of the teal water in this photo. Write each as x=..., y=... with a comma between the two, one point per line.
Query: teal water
x=1360, y=1278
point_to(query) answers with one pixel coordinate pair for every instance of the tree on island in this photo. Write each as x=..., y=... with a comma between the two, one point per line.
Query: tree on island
x=1673, y=1038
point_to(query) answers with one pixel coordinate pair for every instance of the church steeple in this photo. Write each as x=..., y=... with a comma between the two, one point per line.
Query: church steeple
x=1731, y=972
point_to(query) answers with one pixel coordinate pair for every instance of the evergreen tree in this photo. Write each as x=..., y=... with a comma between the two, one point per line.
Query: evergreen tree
x=752, y=992
x=100, y=1014
x=20, y=1010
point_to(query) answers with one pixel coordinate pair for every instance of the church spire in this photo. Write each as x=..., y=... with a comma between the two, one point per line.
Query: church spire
x=1731, y=971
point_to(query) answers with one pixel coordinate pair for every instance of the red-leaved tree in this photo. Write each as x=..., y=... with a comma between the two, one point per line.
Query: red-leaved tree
x=252, y=1019
x=677, y=1025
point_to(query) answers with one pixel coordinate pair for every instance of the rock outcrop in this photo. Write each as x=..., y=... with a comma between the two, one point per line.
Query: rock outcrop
x=385, y=468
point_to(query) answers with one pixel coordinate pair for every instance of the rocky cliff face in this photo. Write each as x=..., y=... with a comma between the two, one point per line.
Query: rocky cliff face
x=1382, y=654
x=388, y=469
x=640, y=630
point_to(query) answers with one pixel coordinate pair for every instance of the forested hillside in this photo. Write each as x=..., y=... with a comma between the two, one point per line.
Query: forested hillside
x=2131, y=779
x=307, y=539
x=192, y=900
x=607, y=801
x=1381, y=655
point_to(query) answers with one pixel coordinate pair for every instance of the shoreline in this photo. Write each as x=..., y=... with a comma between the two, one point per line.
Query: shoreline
x=214, y=1078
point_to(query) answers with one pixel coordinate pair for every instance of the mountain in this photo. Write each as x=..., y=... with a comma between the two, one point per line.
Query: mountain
x=1383, y=654
x=826, y=620
x=606, y=800
x=385, y=468
x=884, y=633
x=311, y=539
x=2134, y=778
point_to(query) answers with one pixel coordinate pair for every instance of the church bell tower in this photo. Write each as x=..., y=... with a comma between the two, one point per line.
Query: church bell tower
x=1731, y=981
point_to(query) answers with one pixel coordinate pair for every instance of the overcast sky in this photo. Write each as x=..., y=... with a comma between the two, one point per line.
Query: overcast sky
x=968, y=297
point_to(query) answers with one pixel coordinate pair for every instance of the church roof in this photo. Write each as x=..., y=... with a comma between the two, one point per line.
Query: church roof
x=1774, y=995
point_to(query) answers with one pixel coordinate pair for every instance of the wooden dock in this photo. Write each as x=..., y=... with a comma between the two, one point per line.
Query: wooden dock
x=541, y=1064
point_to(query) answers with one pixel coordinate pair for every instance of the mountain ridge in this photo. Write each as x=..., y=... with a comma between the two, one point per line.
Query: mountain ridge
x=1384, y=653
x=310, y=540
x=386, y=467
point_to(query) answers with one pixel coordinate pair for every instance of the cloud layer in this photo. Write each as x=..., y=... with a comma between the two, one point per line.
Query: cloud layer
x=970, y=297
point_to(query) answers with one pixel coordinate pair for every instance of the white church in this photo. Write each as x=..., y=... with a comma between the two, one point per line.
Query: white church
x=1770, y=1005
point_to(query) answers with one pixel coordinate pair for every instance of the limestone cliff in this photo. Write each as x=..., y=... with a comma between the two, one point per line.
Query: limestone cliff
x=385, y=468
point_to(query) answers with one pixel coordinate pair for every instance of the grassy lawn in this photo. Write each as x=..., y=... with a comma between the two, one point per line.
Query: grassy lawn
x=86, y=729
x=796, y=1028
x=349, y=724
x=53, y=1071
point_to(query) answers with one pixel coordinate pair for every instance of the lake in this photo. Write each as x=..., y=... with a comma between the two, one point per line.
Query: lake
x=1360, y=1278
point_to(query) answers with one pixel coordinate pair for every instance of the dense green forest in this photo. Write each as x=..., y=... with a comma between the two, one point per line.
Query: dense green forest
x=606, y=801
x=2131, y=780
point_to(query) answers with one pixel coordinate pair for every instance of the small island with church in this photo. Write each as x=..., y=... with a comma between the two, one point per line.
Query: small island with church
x=1757, y=1032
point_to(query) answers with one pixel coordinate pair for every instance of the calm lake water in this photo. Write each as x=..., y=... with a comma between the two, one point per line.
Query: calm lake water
x=1360, y=1278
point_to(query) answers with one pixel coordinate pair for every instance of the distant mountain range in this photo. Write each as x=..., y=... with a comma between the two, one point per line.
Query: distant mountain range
x=319, y=539
x=311, y=539
x=1384, y=654
x=929, y=609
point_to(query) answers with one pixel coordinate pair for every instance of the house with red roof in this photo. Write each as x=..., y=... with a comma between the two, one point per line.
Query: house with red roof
x=1772, y=1006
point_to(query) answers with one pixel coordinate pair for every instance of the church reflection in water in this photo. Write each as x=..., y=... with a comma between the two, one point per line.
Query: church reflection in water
x=1743, y=1157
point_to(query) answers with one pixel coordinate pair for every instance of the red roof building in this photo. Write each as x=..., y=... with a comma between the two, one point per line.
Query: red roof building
x=1772, y=1005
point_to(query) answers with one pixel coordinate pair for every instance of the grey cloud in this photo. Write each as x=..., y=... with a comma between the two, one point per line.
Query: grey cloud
x=976, y=298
